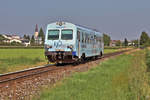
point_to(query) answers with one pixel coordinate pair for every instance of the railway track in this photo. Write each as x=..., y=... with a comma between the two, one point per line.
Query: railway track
x=42, y=69
x=23, y=85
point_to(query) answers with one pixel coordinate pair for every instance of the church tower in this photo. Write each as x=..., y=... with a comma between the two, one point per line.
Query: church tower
x=36, y=32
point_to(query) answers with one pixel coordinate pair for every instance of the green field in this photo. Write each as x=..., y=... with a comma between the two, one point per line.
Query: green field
x=120, y=78
x=16, y=59
x=110, y=50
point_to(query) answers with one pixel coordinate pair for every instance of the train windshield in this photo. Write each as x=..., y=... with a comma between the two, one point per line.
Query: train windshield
x=67, y=34
x=53, y=34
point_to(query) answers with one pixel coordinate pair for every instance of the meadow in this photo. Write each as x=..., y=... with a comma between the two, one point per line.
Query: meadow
x=110, y=50
x=18, y=59
x=122, y=78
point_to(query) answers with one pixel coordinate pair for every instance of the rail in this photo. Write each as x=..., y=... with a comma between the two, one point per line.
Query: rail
x=41, y=69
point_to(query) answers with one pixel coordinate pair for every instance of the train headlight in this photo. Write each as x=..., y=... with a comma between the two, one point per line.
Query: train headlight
x=48, y=46
x=71, y=46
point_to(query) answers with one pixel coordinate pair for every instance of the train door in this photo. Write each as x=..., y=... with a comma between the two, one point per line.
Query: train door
x=101, y=44
x=79, y=40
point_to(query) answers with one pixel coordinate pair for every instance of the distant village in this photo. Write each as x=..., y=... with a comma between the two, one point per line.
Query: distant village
x=26, y=40
x=37, y=39
x=121, y=43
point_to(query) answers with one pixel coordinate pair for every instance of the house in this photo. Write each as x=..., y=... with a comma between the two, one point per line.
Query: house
x=15, y=40
x=15, y=37
x=26, y=42
x=12, y=38
x=7, y=36
x=113, y=43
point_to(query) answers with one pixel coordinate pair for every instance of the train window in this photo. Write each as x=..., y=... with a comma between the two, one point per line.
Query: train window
x=82, y=37
x=91, y=39
x=97, y=39
x=88, y=39
x=85, y=37
x=53, y=34
x=94, y=36
x=67, y=34
x=100, y=40
x=78, y=35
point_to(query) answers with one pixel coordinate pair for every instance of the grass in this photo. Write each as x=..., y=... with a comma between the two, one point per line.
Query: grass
x=122, y=78
x=110, y=50
x=17, y=59
x=148, y=59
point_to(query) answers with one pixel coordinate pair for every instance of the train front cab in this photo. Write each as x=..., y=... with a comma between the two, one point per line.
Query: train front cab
x=60, y=44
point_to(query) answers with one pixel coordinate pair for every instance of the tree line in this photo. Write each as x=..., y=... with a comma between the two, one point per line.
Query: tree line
x=143, y=41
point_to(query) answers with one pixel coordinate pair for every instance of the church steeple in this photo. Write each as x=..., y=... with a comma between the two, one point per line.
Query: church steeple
x=36, y=28
x=36, y=32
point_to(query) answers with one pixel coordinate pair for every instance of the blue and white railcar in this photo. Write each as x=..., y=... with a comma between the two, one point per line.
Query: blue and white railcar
x=66, y=42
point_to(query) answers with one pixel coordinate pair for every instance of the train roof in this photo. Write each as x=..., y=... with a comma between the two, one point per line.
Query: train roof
x=86, y=27
x=77, y=25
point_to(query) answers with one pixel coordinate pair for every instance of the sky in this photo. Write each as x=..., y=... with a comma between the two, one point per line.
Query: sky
x=118, y=18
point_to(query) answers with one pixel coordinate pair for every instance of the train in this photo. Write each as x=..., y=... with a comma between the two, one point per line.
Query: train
x=69, y=43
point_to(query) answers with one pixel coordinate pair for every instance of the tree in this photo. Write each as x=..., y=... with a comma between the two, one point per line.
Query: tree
x=144, y=39
x=41, y=34
x=106, y=39
x=135, y=43
x=118, y=43
x=25, y=37
x=28, y=37
x=125, y=42
x=32, y=39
